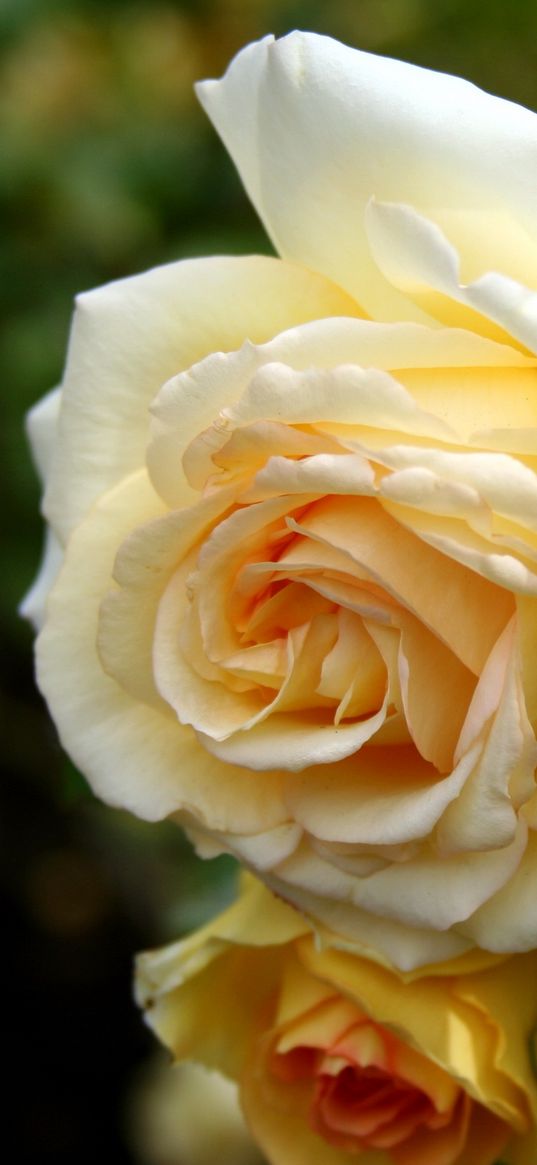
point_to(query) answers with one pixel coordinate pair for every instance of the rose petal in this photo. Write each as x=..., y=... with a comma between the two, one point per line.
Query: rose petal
x=129, y=337
x=381, y=797
x=313, y=124
x=113, y=738
x=414, y=254
x=460, y=608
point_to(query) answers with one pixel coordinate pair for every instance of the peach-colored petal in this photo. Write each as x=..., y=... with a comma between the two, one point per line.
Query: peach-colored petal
x=383, y=796
x=449, y=600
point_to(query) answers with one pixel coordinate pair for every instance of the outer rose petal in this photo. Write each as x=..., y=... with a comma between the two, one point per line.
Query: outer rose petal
x=312, y=124
x=42, y=424
x=131, y=336
x=110, y=734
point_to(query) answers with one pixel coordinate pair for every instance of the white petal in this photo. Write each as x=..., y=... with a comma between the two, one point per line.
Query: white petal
x=33, y=606
x=350, y=928
x=42, y=426
x=316, y=129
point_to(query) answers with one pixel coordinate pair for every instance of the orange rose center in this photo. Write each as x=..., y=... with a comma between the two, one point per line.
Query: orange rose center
x=369, y=1091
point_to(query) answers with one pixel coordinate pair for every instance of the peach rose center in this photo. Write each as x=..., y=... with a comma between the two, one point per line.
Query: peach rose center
x=312, y=606
x=369, y=1091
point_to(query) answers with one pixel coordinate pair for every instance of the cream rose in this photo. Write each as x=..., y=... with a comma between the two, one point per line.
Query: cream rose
x=337, y=1058
x=296, y=501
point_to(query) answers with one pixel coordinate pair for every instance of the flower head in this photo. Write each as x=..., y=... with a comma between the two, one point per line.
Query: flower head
x=337, y=1057
x=296, y=502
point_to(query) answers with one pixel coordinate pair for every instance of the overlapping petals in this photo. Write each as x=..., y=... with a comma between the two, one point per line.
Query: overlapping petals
x=335, y=1057
x=298, y=605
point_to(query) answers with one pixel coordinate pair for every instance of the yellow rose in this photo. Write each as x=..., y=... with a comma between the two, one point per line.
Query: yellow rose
x=336, y=1056
x=296, y=500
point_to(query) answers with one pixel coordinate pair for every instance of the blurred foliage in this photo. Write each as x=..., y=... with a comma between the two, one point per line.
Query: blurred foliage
x=108, y=167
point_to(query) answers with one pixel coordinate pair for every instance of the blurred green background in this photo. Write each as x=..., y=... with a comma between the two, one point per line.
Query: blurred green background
x=108, y=166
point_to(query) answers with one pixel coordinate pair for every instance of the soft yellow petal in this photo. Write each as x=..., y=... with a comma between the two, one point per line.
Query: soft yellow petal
x=313, y=124
x=115, y=740
x=129, y=337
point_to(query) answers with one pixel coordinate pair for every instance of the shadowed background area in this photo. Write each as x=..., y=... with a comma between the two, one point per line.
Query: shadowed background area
x=109, y=167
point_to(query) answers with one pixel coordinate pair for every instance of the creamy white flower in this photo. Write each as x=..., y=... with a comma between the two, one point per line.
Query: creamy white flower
x=297, y=500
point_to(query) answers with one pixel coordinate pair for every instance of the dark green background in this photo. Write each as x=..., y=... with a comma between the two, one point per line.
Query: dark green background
x=108, y=166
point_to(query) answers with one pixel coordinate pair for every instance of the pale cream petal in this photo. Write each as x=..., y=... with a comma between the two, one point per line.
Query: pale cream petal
x=428, y=891
x=346, y=926
x=416, y=257
x=508, y=921
x=184, y=409
x=347, y=394
x=381, y=797
x=42, y=427
x=505, y=484
x=291, y=742
x=216, y=456
x=324, y=473
x=42, y=430
x=34, y=603
x=484, y=817
x=403, y=346
x=134, y=756
x=197, y=701
x=209, y=707
x=143, y=565
x=313, y=124
x=419, y=486
x=190, y=402
x=250, y=533
x=129, y=337
x=259, y=851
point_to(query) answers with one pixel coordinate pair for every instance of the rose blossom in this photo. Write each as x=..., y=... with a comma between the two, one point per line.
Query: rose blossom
x=338, y=1058
x=296, y=502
